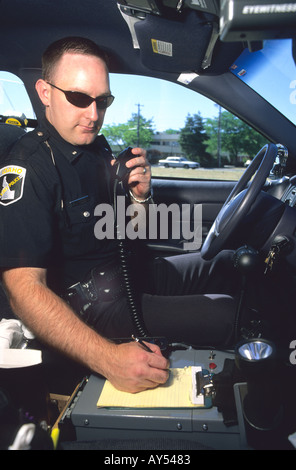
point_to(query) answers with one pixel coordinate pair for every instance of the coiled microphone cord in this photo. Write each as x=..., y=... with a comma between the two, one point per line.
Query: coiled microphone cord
x=131, y=295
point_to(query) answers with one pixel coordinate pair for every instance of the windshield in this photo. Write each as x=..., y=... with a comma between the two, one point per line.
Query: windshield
x=271, y=72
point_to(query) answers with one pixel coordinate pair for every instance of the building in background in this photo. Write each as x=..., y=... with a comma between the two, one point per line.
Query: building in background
x=163, y=145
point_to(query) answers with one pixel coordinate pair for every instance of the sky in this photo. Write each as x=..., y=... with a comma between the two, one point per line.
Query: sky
x=167, y=104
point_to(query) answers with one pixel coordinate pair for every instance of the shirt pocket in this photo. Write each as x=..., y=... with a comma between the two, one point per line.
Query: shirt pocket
x=80, y=211
x=78, y=233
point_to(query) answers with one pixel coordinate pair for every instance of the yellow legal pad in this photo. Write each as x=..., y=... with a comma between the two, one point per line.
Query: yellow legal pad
x=178, y=392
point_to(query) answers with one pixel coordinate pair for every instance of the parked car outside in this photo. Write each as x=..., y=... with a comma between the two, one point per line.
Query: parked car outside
x=178, y=162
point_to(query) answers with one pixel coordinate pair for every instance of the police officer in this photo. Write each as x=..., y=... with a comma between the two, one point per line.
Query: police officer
x=52, y=181
x=47, y=217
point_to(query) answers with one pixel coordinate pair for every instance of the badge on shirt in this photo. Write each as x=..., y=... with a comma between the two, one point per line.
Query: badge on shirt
x=11, y=184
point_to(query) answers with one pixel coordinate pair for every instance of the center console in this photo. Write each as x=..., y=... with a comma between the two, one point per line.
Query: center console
x=205, y=427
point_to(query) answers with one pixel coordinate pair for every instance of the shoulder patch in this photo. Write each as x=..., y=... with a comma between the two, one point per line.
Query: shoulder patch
x=12, y=179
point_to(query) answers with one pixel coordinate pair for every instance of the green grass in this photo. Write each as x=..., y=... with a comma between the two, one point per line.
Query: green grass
x=230, y=174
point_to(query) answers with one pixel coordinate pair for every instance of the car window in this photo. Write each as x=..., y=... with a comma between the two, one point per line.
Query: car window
x=164, y=118
x=161, y=117
x=14, y=100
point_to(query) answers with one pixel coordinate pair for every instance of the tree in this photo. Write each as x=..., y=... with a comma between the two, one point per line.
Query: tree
x=237, y=138
x=193, y=138
x=138, y=131
x=171, y=131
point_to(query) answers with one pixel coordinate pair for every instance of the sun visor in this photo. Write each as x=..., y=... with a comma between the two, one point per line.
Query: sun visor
x=176, y=46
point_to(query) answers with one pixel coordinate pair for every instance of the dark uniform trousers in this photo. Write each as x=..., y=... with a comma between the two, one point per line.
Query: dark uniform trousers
x=185, y=299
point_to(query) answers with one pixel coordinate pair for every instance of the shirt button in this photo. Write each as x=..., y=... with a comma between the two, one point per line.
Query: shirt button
x=86, y=214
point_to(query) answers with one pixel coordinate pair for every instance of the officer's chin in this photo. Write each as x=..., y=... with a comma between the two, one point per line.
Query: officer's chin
x=87, y=138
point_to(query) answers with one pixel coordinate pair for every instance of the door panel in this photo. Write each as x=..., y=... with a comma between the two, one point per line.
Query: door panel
x=211, y=195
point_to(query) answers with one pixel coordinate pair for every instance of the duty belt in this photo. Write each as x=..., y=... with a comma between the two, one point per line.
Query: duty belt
x=100, y=286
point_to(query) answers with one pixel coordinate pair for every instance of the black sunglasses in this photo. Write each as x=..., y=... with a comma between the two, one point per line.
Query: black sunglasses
x=81, y=100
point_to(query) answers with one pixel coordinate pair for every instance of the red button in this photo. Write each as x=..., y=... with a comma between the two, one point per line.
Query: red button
x=212, y=365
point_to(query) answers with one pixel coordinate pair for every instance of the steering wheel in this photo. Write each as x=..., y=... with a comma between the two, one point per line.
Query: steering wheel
x=239, y=201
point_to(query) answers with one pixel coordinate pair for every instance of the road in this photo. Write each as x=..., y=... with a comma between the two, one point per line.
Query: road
x=230, y=174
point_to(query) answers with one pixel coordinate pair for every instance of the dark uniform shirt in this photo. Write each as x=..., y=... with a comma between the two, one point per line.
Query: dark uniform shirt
x=48, y=193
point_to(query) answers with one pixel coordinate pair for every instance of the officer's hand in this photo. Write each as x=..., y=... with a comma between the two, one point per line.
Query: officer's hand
x=139, y=180
x=140, y=177
x=133, y=369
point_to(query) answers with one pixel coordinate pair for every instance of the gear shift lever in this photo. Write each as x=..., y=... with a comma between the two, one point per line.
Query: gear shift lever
x=245, y=260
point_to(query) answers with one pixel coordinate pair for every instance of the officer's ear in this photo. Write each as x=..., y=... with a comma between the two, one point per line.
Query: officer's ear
x=43, y=90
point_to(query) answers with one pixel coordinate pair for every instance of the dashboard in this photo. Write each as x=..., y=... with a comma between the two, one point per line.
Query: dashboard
x=289, y=196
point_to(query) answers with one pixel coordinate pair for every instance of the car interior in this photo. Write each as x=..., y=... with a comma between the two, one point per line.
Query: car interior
x=242, y=56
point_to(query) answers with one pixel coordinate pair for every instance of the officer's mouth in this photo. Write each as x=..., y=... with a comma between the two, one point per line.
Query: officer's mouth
x=89, y=129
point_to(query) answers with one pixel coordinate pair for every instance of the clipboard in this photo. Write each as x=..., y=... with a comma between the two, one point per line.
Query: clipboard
x=178, y=392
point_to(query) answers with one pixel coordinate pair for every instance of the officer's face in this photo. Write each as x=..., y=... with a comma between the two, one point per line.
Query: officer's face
x=76, y=72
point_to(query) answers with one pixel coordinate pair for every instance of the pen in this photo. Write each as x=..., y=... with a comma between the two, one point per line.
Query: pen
x=138, y=340
x=55, y=433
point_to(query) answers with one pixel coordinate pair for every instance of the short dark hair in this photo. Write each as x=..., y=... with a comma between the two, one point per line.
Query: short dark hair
x=72, y=44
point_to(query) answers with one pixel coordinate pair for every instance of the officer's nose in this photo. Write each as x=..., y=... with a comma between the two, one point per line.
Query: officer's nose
x=92, y=111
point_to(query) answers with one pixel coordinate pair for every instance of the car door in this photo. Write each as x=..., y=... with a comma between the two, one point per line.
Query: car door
x=207, y=195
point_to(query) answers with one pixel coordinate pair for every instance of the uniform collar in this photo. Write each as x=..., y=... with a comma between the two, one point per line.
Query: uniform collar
x=71, y=152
